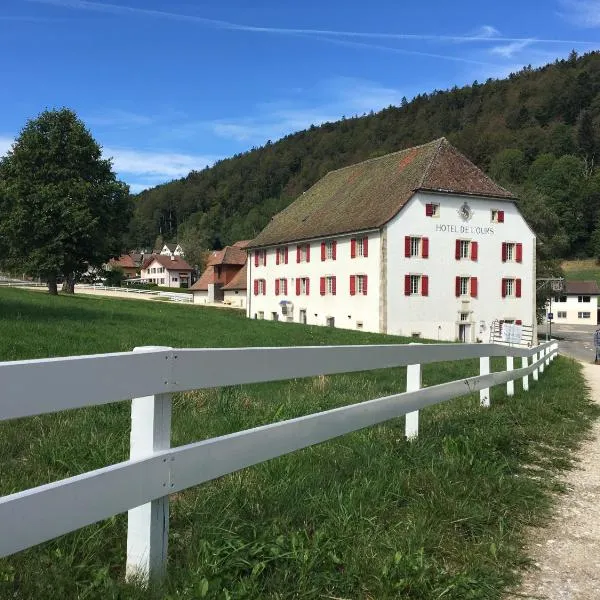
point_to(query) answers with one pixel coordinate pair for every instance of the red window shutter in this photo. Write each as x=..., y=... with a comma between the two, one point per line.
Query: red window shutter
x=352, y=248
x=365, y=285
x=457, y=286
x=265, y=258
x=256, y=285
x=307, y=253
x=277, y=287
x=256, y=259
x=323, y=251
x=298, y=286
x=504, y=288
x=407, y=285
x=424, y=285
x=297, y=254
x=407, y=246
x=286, y=255
x=500, y=216
x=352, y=285
x=457, y=250
x=333, y=249
x=333, y=283
x=473, y=287
x=474, y=250
x=285, y=286
x=503, y=251
x=518, y=322
x=276, y=256
x=307, y=286
x=519, y=253
x=425, y=247
x=429, y=210
x=518, y=286
x=322, y=286
x=366, y=246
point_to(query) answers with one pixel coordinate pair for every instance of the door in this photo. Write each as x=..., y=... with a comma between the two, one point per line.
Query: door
x=303, y=317
x=463, y=333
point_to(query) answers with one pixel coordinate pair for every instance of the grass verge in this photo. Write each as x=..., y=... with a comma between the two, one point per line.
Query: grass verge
x=367, y=515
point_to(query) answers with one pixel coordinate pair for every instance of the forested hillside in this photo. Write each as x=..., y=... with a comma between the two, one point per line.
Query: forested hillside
x=535, y=132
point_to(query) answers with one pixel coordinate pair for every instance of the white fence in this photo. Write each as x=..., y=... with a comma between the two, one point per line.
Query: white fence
x=142, y=484
x=173, y=296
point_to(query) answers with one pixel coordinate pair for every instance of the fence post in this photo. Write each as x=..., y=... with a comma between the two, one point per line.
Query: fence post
x=510, y=385
x=484, y=369
x=548, y=355
x=535, y=371
x=542, y=357
x=525, y=364
x=413, y=383
x=148, y=525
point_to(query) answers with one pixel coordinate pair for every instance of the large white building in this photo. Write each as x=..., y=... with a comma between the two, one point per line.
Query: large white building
x=417, y=243
x=577, y=304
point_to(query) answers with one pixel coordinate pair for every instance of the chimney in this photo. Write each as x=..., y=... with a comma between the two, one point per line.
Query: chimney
x=172, y=257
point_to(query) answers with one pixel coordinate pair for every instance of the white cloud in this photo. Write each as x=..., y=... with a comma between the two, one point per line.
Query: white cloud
x=510, y=49
x=160, y=165
x=585, y=13
x=5, y=144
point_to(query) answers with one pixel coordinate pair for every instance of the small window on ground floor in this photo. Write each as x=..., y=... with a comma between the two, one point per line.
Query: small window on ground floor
x=584, y=315
x=561, y=314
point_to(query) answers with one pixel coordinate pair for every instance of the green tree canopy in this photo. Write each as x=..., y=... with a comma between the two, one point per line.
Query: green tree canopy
x=62, y=208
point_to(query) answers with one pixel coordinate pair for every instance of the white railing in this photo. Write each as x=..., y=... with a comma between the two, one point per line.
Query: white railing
x=142, y=484
x=174, y=296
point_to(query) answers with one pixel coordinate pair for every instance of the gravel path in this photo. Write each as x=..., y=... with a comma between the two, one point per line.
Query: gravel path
x=567, y=552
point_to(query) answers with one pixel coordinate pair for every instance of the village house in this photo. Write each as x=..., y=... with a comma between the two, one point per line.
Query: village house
x=577, y=304
x=223, y=268
x=168, y=271
x=418, y=243
x=172, y=250
x=125, y=263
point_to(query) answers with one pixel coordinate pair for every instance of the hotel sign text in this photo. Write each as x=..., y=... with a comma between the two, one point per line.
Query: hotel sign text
x=464, y=229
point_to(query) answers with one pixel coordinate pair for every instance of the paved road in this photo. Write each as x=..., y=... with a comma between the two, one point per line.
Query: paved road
x=576, y=341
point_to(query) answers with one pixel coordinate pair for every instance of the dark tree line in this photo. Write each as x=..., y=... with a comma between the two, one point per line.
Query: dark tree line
x=535, y=131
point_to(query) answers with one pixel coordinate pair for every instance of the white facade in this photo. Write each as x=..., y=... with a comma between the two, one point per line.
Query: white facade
x=575, y=309
x=500, y=286
x=236, y=298
x=163, y=276
x=165, y=251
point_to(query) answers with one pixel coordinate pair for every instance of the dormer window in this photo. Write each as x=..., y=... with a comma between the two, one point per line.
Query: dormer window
x=497, y=216
x=432, y=210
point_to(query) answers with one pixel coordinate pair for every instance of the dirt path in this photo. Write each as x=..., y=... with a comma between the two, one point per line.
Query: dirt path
x=567, y=552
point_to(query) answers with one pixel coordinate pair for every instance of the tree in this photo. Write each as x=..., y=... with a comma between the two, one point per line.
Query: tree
x=586, y=137
x=62, y=208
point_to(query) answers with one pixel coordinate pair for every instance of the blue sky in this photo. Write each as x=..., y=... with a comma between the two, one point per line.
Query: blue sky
x=168, y=86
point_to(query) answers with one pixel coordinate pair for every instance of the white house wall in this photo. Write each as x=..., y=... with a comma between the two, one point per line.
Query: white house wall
x=348, y=312
x=235, y=298
x=437, y=316
x=572, y=307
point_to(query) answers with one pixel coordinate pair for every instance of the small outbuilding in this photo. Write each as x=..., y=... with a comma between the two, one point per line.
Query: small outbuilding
x=577, y=304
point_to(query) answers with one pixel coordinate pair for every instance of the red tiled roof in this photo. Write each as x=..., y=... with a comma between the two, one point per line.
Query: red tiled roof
x=239, y=282
x=171, y=264
x=368, y=194
x=587, y=288
x=124, y=261
x=230, y=255
x=205, y=279
x=242, y=244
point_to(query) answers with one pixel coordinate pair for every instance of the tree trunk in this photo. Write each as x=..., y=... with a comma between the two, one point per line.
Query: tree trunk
x=52, y=289
x=68, y=286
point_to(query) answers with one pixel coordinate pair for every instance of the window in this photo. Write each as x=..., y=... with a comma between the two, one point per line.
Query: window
x=358, y=285
x=511, y=288
x=359, y=247
x=561, y=314
x=583, y=299
x=466, y=250
x=330, y=321
x=432, y=210
x=416, y=285
x=512, y=252
x=466, y=286
x=584, y=315
x=328, y=285
x=281, y=256
x=162, y=280
x=303, y=253
x=560, y=298
x=497, y=216
x=174, y=279
x=261, y=314
x=464, y=316
x=328, y=250
x=274, y=316
x=416, y=247
x=260, y=287
x=281, y=287
x=302, y=286
x=260, y=258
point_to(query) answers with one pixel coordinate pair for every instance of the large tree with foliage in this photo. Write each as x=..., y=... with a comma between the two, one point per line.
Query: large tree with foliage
x=61, y=206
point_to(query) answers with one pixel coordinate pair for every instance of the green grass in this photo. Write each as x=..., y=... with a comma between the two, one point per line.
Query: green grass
x=365, y=516
x=582, y=270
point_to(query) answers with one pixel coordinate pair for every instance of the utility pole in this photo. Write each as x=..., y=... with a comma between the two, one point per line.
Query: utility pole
x=557, y=285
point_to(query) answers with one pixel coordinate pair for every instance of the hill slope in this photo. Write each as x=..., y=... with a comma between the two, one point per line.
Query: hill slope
x=535, y=132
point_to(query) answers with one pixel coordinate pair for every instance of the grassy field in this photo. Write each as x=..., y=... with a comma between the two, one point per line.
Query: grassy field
x=582, y=270
x=366, y=516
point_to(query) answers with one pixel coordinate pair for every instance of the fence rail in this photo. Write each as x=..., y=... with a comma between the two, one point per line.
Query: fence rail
x=150, y=375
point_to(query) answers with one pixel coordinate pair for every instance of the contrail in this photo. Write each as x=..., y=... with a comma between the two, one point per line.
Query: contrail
x=218, y=24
